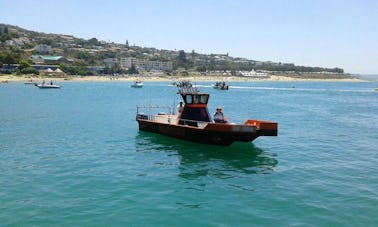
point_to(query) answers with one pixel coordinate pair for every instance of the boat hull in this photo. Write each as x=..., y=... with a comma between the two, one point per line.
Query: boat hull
x=212, y=133
x=47, y=86
x=137, y=86
x=221, y=88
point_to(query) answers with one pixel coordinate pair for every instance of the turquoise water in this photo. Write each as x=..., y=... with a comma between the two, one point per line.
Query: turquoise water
x=74, y=156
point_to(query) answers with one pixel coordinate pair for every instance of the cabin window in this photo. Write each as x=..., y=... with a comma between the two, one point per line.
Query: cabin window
x=196, y=98
x=188, y=99
x=204, y=99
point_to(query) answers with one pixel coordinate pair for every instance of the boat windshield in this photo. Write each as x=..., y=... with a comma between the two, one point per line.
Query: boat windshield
x=196, y=98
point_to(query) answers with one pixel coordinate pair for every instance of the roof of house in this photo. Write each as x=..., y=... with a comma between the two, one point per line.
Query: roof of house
x=47, y=57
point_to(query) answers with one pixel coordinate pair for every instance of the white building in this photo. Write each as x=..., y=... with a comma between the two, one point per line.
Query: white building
x=42, y=48
x=144, y=64
x=254, y=74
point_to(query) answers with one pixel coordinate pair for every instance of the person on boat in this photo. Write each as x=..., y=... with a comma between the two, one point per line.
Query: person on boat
x=180, y=107
x=51, y=83
x=219, y=116
x=43, y=82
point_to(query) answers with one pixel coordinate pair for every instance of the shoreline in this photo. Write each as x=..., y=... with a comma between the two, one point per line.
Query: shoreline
x=4, y=78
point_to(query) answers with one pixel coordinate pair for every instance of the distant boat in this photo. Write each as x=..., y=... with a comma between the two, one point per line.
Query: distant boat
x=184, y=84
x=376, y=89
x=137, y=84
x=44, y=85
x=220, y=85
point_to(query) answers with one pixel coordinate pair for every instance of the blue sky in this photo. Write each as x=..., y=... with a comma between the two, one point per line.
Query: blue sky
x=332, y=33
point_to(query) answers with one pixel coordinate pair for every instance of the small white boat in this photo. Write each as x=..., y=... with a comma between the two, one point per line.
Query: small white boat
x=137, y=84
x=43, y=85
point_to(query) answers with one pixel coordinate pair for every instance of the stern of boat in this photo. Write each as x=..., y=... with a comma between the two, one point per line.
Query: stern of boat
x=264, y=128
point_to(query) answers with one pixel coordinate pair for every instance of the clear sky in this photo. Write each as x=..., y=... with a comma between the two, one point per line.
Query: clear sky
x=329, y=33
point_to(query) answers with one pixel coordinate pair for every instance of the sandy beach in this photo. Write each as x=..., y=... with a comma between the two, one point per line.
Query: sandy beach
x=27, y=78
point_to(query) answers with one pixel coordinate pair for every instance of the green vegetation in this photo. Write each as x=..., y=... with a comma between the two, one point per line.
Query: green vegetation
x=76, y=70
x=5, y=34
x=133, y=70
x=10, y=57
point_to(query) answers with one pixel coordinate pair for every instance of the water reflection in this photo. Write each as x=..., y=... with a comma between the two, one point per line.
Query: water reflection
x=197, y=160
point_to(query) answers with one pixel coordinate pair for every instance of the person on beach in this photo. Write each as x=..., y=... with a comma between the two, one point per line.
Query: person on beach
x=219, y=116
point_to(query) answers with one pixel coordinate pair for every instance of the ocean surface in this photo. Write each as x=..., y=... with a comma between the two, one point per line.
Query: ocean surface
x=74, y=157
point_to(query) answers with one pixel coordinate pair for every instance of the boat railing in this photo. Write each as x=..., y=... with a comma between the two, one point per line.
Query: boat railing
x=152, y=111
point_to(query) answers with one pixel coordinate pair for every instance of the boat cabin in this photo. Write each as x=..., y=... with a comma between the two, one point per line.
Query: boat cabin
x=195, y=109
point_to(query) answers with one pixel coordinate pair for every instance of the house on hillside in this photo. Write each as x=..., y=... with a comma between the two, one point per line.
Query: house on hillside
x=110, y=61
x=42, y=48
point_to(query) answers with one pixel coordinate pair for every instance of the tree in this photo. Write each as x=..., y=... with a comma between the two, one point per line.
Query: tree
x=9, y=57
x=23, y=64
x=117, y=68
x=201, y=68
x=46, y=41
x=93, y=42
x=182, y=56
x=133, y=70
x=4, y=37
x=29, y=70
x=193, y=53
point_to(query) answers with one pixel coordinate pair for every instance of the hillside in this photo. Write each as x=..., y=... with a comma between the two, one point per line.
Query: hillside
x=18, y=45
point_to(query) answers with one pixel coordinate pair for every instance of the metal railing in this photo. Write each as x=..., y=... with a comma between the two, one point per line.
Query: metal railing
x=153, y=112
